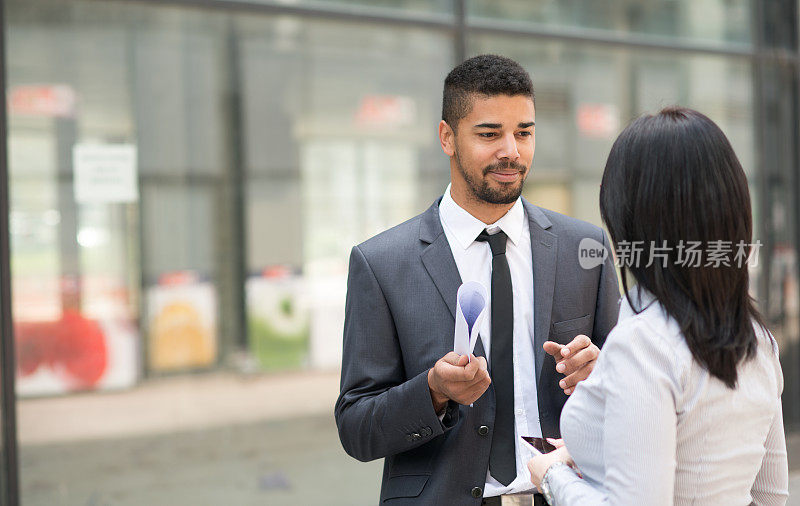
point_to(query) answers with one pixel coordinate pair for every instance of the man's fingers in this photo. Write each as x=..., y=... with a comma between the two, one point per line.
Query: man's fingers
x=573, y=379
x=463, y=360
x=480, y=384
x=574, y=362
x=452, y=358
x=553, y=348
x=464, y=372
x=469, y=392
x=580, y=342
x=476, y=390
x=471, y=370
x=447, y=372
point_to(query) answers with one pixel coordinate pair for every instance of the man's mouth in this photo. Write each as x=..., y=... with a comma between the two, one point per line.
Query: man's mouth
x=508, y=174
x=510, y=169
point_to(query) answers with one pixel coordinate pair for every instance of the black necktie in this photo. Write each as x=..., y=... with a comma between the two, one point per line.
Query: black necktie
x=502, y=459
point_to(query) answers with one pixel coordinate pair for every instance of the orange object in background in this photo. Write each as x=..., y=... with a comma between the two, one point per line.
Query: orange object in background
x=179, y=340
x=181, y=323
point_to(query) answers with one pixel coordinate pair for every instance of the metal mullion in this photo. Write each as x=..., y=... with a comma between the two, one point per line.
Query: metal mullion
x=762, y=176
x=460, y=35
x=235, y=189
x=9, y=496
x=795, y=180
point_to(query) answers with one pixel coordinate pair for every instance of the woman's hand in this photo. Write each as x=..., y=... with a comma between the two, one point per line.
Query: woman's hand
x=539, y=465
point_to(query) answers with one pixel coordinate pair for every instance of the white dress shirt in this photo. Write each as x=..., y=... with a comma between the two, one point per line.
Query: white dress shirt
x=650, y=425
x=474, y=262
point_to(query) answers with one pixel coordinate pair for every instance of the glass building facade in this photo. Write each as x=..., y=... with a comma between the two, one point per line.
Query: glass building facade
x=186, y=179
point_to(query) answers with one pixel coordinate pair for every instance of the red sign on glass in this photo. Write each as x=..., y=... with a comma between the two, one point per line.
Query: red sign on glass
x=598, y=120
x=177, y=278
x=52, y=100
x=386, y=110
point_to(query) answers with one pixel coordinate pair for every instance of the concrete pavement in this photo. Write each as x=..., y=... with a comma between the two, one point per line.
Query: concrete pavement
x=216, y=439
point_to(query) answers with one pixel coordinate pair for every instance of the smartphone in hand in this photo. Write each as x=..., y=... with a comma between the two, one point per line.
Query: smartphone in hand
x=538, y=445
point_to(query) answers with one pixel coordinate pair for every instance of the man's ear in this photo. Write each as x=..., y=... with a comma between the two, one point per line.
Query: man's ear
x=447, y=138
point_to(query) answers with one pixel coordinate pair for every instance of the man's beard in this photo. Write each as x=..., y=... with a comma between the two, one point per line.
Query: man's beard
x=508, y=193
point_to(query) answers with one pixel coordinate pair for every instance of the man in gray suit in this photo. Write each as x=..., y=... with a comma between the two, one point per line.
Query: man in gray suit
x=448, y=426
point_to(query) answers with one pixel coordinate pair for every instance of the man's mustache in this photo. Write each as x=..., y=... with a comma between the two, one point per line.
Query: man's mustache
x=498, y=167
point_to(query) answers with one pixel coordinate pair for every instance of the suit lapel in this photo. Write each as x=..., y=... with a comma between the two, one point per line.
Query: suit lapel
x=438, y=261
x=544, y=249
x=437, y=257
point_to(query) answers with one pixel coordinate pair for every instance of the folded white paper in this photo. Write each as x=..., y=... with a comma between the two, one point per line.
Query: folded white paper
x=471, y=302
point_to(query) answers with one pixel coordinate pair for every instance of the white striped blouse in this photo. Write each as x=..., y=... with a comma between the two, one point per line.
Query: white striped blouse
x=651, y=427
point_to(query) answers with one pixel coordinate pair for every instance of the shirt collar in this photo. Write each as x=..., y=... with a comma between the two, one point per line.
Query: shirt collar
x=466, y=227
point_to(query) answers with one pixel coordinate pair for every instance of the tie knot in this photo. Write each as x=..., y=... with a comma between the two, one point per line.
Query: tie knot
x=497, y=242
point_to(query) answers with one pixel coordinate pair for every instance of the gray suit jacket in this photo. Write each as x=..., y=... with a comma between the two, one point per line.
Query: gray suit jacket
x=401, y=299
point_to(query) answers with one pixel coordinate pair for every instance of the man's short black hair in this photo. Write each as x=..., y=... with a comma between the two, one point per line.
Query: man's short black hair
x=486, y=74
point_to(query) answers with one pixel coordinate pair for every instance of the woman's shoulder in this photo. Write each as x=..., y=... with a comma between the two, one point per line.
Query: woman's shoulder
x=649, y=326
x=648, y=336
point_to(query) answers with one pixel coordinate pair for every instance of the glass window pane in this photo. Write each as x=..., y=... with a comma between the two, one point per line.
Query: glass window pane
x=722, y=22
x=125, y=288
x=586, y=95
x=340, y=145
x=116, y=134
x=73, y=247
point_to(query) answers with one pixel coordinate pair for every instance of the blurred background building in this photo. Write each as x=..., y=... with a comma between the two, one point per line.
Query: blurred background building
x=187, y=178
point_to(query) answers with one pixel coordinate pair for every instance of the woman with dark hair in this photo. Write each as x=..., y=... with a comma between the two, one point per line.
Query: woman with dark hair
x=683, y=405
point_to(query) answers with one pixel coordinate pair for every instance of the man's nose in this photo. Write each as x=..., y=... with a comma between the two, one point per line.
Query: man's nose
x=508, y=149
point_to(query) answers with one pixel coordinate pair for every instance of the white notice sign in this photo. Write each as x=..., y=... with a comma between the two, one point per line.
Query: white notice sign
x=105, y=173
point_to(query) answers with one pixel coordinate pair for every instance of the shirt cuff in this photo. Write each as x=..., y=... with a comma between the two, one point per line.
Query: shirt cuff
x=558, y=478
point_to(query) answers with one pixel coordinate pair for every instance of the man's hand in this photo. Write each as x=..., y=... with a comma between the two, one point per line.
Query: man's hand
x=456, y=377
x=574, y=360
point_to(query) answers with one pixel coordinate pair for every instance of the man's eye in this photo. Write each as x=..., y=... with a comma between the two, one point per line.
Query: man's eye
x=487, y=135
x=525, y=133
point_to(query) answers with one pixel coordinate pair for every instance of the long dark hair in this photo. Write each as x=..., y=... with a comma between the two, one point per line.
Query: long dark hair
x=672, y=179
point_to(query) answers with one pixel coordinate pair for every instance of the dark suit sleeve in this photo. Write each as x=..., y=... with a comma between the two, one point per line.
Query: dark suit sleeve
x=607, y=308
x=379, y=412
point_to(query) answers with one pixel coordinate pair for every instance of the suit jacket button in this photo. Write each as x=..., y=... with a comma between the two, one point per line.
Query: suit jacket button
x=416, y=436
x=427, y=431
x=477, y=492
x=483, y=430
